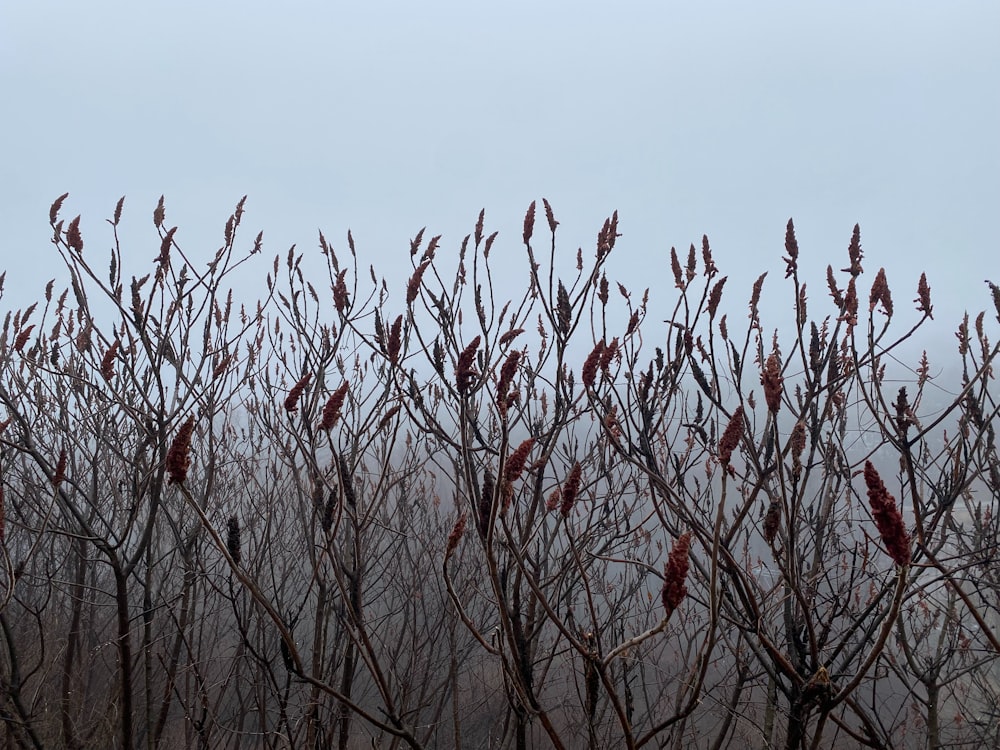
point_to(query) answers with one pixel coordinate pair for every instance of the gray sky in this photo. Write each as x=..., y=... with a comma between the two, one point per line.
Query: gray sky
x=383, y=117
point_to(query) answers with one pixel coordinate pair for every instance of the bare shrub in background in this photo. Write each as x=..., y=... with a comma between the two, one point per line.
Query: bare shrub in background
x=439, y=516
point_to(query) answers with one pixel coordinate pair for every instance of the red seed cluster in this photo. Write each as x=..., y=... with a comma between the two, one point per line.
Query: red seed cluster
x=60, y=474
x=108, y=362
x=609, y=353
x=332, y=409
x=395, y=342
x=456, y=535
x=233, y=543
x=554, y=500
x=510, y=336
x=715, y=296
x=796, y=445
x=675, y=267
x=835, y=293
x=571, y=489
x=507, y=372
x=292, y=399
x=564, y=311
x=223, y=365
x=731, y=437
x=606, y=241
x=179, y=454
x=54, y=208
x=529, y=223
x=887, y=517
x=73, y=236
x=465, y=371
x=340, y=292
x=773, y=383
x=599, y=359
x=22, y=338
x=413, y=287
x=923, y=299
x=485, y=507
x=590, y=365
x=772, y=521
x=549, y=216
x=880, y=294
x=849, y=313
x=855, y=254
x=675, y=574
x=792, y=248
x=164, y=257
x=516, y=461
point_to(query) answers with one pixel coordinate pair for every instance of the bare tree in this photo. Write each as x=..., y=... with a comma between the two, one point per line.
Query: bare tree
x=441, y=516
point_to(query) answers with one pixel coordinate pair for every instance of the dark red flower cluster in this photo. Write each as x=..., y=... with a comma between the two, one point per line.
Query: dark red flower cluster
x=731, y=437
x=395, y=342
x=773, y=383
x=797, y=445
x=606, y=240
x=60, y=474
x=772, y=521
x=516, y=461
x=108, y=362
x=715, y=296
x=507, y=372
x=855, y=253
x=340, y=292
x=835, y=293
x=887, y=517
x=292, y=399
x=880, y=294
x=22, y=338
x=675, y=574
x=850, y=309
x=332, y=409
x=792, y=248
x=465, y=371
x=598, y=359
x=550, y=216
x=73, y=237
x=529, y=223
x=179, y=454
x=485, y=509
x=570, y=490
x=455, y=536
x=923, y=299
x=233, y=544
x=413, y=287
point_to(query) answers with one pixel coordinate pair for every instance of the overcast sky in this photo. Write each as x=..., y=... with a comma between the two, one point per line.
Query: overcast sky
x=689, y=118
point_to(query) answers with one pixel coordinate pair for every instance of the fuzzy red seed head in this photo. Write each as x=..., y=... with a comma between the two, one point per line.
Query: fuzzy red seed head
x=465, y=371
x=675, y=574
x=334, y=406
x=516, y=461
x=731, y=437
x=773, y=383
x=590, y=365
x=456, y=535
x=292, y=400
x=571, y=489
x=888, y=519
x=179, y=454
x=529, y=223
x=108, y=362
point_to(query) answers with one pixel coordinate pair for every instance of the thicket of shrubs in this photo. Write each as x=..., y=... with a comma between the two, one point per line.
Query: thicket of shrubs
x=442, y=515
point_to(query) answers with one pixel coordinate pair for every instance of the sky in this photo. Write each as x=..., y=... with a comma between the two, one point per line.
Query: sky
x=722, y=119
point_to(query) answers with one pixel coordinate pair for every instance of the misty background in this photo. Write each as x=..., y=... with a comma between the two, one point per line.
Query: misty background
x=722, y=119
